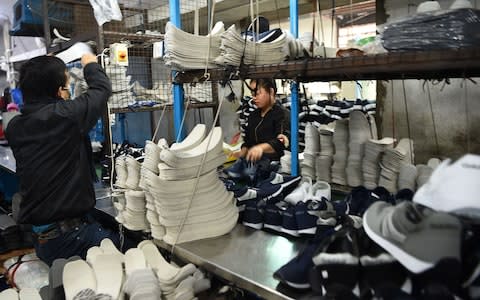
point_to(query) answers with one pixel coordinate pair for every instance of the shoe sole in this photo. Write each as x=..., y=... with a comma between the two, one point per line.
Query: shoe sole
x=273, y=227
x=300, y=286
x=290, y=232
x=410, y=262
x=253, y=225
x=312, y=230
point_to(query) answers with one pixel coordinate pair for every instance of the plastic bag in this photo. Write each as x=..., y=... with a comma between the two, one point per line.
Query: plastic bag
x=106, y=10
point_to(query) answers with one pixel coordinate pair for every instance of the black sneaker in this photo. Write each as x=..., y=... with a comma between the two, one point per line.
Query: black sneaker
x=311, y=214
x=337, y=263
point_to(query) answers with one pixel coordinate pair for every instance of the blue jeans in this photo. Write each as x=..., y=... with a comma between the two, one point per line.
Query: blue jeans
x=75, y=242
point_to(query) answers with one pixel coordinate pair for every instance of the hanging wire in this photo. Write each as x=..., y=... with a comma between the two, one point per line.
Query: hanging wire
x=333, y=23
x=199, y=172
x=467, y=116
x=433, y=118
x=393, y=112
x=278, y=13
x=158, y=123
x=410, y=142
x=207, y=58
x=189, y=100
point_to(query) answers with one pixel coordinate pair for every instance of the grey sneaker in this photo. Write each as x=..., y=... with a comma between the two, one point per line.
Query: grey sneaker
x=416, y=236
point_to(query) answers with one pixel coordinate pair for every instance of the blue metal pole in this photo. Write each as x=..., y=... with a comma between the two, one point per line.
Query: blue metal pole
x=177, y=88
x=294, y=95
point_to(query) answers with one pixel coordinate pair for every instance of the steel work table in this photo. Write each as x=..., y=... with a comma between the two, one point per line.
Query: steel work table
x=246, y=257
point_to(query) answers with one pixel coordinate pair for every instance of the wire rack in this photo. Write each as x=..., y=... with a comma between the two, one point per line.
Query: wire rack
x=142, y=29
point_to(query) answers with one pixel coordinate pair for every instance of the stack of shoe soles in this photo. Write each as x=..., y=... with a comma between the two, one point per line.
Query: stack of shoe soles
x=392, y=160
x=323, y=161
x=295, y=48
x=189, y=214
x=150, y=169
x=186, y=51
x=176, y=283
x=340, y=141
x=133, y=216
x=312, y=148
x=374, y=150
x=359, y=132
x=267, y=48
x=141, y=274
x=121, y=88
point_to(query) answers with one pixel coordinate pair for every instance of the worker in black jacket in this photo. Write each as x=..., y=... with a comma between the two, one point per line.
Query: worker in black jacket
x=53, y=153
x=265, y=134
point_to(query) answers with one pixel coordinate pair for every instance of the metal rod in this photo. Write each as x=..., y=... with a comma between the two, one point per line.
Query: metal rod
x=175, y=18
x=294, y=89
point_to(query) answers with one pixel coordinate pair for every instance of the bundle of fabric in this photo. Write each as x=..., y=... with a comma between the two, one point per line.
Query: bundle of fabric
x=121, y=88
x=186, y=51
x=270, y=47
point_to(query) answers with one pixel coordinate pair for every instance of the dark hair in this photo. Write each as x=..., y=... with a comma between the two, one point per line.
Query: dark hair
x=265, y=83
x=42, y=76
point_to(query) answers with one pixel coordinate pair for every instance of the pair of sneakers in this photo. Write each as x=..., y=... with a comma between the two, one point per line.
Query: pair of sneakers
x=309, y=191
x=252, y=172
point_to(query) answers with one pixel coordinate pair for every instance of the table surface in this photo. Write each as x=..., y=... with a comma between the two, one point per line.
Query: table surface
x=246, y=257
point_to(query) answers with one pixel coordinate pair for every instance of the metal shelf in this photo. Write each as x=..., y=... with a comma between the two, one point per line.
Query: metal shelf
x=436, y=64
x=160, y=107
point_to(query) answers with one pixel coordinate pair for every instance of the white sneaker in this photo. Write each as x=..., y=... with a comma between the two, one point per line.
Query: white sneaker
x=301, y=192
x=321, y=189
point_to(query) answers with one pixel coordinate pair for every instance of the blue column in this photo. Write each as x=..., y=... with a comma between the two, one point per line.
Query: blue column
x=177, y=88
x=294, y=89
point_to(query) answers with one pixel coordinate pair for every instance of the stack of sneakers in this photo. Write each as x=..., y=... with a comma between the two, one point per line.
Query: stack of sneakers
x=267, y=48
x=340, y=141
x=186, y=208
x=374, y=150
x=121, y=88
x=359, y=133
x=186, y=51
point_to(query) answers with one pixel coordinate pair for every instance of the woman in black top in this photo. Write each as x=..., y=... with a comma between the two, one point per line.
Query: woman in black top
x=264, y=137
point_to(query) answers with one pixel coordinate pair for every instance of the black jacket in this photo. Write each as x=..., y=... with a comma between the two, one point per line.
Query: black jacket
x=53, y=152
x=266, y=129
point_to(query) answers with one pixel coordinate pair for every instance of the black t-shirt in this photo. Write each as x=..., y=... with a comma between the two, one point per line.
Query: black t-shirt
x=53, y=152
